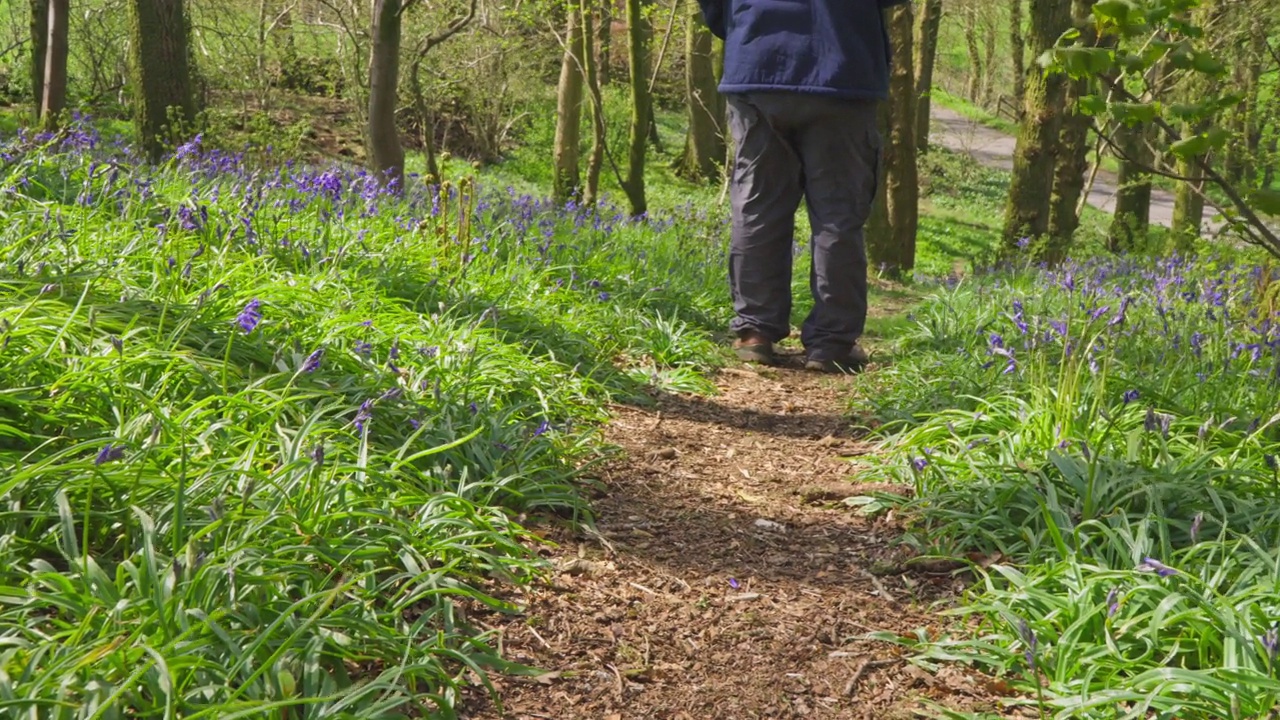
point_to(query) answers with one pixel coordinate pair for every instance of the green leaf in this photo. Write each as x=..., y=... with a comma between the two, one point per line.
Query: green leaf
x=1266, y=201
x=1084, y=61
x=1117, y=11
x=1135, y=113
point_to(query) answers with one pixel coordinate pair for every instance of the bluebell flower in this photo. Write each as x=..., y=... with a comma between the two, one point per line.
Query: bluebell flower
x=1113, y=601
x=1129, y=396
x=118, y=344
x=542, y=429
x=250, y=316
x=109, y=453
x=1150, y=564
x=312, y=363
x=1029, y=641
x=1271, y=643
x=317, y=454
x=364, y=415
x=920, y=464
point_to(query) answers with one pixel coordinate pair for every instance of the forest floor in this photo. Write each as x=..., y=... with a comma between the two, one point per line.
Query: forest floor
x=994, y=148
x=727, y=579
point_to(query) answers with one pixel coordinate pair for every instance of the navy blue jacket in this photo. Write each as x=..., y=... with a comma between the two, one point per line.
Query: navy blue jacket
x=838, y=48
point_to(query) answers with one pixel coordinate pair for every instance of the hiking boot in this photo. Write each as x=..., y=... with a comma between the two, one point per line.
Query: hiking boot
x=752, y=347
x=854, y=362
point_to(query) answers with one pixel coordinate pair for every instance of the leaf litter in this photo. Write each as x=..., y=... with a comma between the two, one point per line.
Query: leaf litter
x=718, y=583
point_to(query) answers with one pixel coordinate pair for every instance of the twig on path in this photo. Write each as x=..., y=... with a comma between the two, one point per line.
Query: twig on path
x=621, y=686
x=852, y=685
x=638, y=586
x=545, y=644
x=884, y=592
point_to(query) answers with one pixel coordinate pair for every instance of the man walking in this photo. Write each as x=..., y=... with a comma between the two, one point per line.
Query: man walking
x=802, y=79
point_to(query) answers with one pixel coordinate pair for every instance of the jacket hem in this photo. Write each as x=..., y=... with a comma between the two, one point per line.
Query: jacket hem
x=841, y=93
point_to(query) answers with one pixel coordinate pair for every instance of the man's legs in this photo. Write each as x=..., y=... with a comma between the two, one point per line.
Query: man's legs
x=839, y=147
x=765, y=191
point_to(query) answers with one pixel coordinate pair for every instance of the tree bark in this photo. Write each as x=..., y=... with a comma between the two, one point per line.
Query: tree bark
x=162, y=74
x=54, y=92
x=1031, y=184
x=39, y=51
x=1188, y=206
x=1133, y=198
x=926, y=56
x=704, y=143
x=567, y=185
x=991, y=29
x=595, y=162
x=605, y=67
x=975, y=53
x=903, y=186
x=882, y=252
x=1073, y=151
x=641, y=105
x=1017, y=50
x=386, y=156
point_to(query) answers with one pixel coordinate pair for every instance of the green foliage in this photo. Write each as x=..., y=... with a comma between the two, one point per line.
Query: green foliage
x=265, y=436
x=1105, y=435
x=1133, y=49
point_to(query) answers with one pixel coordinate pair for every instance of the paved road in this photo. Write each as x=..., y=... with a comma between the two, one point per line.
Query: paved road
x=994, y=148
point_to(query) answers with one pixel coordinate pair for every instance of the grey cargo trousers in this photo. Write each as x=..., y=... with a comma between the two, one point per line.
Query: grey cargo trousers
x=791, y=146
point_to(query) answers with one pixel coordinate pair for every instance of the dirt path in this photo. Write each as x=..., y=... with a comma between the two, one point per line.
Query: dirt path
x=994, y=148
x=721, y=586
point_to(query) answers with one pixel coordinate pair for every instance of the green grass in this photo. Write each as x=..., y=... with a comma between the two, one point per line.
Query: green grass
x=264, y=441
x=1084, y=429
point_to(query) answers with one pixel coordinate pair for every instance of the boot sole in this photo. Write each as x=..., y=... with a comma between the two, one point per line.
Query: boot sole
x=758, y=354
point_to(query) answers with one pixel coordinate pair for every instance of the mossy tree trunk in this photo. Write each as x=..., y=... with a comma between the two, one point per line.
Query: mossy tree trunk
x=974, y=88
x=54, y=92
x=1031, y=184
x=567, y=184
x=591, y=63
x=164, y=98
x=39, y=51
x=638, y=35
x=882, y=251
x=1073, y=152
x=1132, y=215
x=926, y=55
x=903, y=182
x=704, y=142
x=1017, y=51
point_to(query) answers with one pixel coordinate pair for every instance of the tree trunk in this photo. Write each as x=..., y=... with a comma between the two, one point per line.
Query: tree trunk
x=1031, y=184
x=1073, y=151
x=903, y=186
x=591, y=192
x=990, y=31
x=704, y=143
x=882, y=251
x=926, y=55
x=1017, y=50
x=638, y=56
x=605, y=67
x=162, y=74
x=39, y=51
x=386, y=156
x=425, y=119
x=975, y=53
x=567, y=184
x=1188, y=206
x=54, y=97
x=1133, y=198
